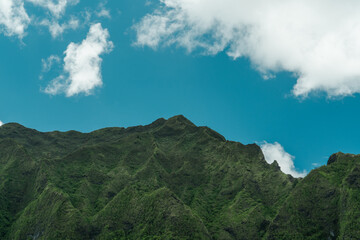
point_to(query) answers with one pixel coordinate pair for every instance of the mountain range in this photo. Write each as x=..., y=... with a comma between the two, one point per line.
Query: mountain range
x=167, y=180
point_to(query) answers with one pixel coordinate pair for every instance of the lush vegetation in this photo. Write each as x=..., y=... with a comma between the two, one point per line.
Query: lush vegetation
x=167, y=180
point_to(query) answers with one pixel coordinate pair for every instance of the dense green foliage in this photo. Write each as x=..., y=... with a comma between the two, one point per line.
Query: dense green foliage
x=166, y=180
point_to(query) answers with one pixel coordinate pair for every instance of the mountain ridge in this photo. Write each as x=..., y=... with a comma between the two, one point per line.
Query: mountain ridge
x=166, y=180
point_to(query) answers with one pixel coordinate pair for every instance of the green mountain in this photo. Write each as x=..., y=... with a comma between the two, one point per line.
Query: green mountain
x=167, y=180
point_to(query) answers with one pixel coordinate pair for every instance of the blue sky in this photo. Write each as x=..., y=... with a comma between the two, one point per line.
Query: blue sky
x=208, y=82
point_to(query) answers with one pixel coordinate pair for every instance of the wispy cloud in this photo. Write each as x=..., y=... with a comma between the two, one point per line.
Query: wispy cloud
x=57, y=29
x=315, y=164
x=319, y=41
x=49, y=63
x=56, y=8
x=274, y=151
x=82, y=64
x=103, y=11
x=13, y=18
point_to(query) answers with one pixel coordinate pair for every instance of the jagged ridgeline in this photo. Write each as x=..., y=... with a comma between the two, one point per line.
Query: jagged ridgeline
x=167, y=180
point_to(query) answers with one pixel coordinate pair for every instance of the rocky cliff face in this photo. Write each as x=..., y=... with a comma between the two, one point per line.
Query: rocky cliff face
x=167, y=180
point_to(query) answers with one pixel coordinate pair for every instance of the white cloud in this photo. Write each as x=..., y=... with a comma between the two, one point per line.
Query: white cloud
x=56, y=11
x=13, y=18
x=103, y=11
x=56, y=8
x=274, y=151
x=48, y=63
x=319, y=41
x=56, y=29
x=1, y=123
x=82, y=64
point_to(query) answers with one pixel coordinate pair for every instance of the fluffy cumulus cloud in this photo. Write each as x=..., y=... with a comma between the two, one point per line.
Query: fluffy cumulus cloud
x=82, y=64
x=318, y=41
x=274, y=151
x=13, y=18
x=1, y=123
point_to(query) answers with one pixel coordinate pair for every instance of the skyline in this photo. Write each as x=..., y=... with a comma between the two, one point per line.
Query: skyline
x=77, y=65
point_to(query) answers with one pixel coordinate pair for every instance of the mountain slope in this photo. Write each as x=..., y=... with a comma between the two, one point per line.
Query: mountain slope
x=324, y=205
x=167, y=180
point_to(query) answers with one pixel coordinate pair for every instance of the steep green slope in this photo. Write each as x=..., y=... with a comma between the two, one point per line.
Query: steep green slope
x=167, y=180
x=324, y=205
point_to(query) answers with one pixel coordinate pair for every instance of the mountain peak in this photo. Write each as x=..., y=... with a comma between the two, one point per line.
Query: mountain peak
x=339, y=156
x=275, y=165
x=176, y=178
x=12, y=125
x=180, y=119
x=9, y=129
x=333, y=158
